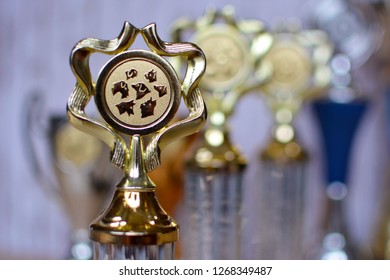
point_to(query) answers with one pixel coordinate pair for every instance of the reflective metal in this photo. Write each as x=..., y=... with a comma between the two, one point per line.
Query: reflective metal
x=137, y=93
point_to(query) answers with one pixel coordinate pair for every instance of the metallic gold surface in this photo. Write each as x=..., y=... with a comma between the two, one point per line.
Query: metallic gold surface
x=149, y=223
x=299, y=66
x=234, y=49
x=85, y=89
x=216, y=154
x=137, y=93
x=284, y=153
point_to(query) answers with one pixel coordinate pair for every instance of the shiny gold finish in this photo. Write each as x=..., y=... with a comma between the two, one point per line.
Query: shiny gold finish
x=216, y=154
x=234, y=50
x=85, y=89
x=135, y=217
x=284, y=153
x=137, y=93
x=150, y=78
x=299, y=66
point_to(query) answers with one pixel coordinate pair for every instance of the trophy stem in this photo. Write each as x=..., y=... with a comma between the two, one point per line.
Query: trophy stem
x=213, y=215
x=336, y=243
x=134, y=226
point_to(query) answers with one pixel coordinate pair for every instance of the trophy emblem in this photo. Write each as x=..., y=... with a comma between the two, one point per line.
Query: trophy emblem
x=212, y=223
x=298, y=61
x=137, y=93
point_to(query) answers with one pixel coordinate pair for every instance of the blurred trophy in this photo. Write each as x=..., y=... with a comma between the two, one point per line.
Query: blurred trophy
x=352, y=25
x=67, y=164
x=338, y=123
x=137, y=93
x=213, y=184
x=380, y=242
x=298, y=61
x=355, y=33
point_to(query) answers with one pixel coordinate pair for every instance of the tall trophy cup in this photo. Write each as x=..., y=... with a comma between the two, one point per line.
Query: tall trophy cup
x=137, y=93
x=67, y=165
x=340, y=113
x=212, y=224
x=299, y=62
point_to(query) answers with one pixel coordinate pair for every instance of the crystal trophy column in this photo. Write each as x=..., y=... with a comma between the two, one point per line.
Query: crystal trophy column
x=137, y=93
x=213, y=189
x=299, y=63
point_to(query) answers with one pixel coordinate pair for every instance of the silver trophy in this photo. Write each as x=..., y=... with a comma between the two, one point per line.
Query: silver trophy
x=356, y=34
x=67, y=165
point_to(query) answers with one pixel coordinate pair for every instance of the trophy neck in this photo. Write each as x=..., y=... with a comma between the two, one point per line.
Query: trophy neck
x=135, y=216
x=215, y=151
x=284, y=152
x=136, y=176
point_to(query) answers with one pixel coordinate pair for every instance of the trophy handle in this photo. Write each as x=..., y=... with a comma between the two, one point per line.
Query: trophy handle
x=36, y=123
x=189, y=91
x=84, y=90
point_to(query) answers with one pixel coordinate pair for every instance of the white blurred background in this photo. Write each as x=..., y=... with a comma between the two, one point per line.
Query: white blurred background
x=36, y=38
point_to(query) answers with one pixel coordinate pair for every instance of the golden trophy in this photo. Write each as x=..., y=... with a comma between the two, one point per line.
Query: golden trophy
x=137, y=93
x=298, y=61
x=212, y=204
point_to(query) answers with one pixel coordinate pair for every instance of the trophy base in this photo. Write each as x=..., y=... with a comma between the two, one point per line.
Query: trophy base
x=212, y=224
x=281, y=212
x=106, y=251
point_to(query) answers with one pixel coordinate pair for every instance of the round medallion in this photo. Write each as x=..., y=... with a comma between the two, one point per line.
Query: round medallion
x=227, y=55
x=137, y=92
x=291, y=68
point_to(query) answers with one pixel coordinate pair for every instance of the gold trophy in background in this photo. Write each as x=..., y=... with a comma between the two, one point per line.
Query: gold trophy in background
x=298, y=61
x=212, y=204
x=138, y=93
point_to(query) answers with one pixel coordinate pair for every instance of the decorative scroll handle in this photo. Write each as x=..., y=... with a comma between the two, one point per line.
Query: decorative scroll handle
x=85, y=89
